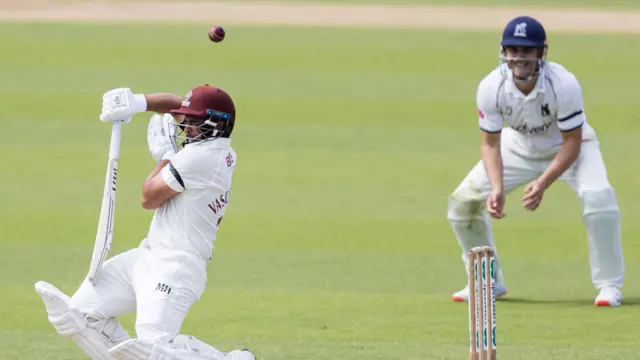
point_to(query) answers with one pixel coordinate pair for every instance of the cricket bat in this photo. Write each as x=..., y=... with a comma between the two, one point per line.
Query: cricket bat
x=104, y=235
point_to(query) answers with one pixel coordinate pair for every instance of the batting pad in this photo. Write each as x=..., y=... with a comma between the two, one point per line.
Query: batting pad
x=138, y=349
x=71, y=323
x=143, y=349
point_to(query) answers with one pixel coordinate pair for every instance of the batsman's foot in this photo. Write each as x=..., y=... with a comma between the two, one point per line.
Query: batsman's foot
x=609, y=296
x=463, y=295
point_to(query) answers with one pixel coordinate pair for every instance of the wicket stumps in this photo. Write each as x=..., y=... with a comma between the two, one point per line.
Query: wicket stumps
x=482, y=304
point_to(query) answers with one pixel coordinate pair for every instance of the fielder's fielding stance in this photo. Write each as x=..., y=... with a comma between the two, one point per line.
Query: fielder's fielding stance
x=162, y=278
x=548, y=138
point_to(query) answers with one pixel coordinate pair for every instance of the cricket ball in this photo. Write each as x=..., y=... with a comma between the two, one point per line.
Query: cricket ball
x=216, y=34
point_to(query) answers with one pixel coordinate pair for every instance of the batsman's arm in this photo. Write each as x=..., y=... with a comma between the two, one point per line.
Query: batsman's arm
x=162, y=102
x=155, y=191
x=492, y=159
x=122, y=104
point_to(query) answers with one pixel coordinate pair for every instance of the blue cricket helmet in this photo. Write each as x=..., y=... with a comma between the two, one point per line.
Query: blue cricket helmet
x=524, y=31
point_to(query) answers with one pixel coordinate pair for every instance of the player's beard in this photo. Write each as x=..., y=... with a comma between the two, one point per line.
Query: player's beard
x=524, y=66
x=524, y=69
x=192, y=139
x=184, y=138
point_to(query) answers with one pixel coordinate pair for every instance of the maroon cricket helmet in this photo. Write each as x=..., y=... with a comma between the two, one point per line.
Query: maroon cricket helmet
x=210, y=103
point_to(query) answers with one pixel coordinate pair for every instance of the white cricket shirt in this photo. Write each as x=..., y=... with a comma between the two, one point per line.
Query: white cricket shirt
x=201, y=173
x=555, y=105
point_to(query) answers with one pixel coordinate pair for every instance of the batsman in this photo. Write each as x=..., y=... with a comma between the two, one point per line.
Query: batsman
x=547, y=138
x=190, y=140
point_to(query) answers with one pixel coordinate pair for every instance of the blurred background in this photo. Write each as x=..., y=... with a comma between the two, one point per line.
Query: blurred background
x=355, y=122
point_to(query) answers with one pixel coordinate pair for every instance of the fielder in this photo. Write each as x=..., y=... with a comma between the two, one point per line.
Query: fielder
x=162, y=278
x=547, y=138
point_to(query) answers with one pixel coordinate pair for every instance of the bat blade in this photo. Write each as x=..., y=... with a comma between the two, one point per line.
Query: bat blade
x=104, y=234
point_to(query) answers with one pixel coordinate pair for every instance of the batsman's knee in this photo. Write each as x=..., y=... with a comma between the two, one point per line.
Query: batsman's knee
x=465, y=205
x=599, y=201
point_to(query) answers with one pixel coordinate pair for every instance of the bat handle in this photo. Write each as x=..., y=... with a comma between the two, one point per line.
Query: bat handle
x=114, y=146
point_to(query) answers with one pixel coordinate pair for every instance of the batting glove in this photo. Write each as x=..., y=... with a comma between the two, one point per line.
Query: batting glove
x=160, y=144
x=121, y=104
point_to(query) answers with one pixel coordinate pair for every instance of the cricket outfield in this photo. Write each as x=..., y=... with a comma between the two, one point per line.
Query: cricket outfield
x=351, y=133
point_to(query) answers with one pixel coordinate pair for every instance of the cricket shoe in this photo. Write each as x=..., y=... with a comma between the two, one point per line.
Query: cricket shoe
x=463, y=295
x=609, y=296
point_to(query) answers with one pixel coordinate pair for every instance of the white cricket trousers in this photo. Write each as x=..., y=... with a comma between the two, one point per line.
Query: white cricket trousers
x=587, y=177
x=159, y=285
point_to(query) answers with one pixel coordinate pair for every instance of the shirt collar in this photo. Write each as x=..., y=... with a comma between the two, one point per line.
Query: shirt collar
x=217, y=143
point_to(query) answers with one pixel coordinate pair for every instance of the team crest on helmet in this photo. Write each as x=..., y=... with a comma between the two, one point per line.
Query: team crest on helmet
x=521, y=30
x=186, y=101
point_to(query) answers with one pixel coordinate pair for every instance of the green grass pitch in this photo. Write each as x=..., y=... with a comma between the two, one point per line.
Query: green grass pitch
x=336, y=244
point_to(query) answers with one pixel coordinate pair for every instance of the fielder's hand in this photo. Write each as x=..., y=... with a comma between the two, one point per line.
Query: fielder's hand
x=495, y=204
x=121, y=104
x=533, y=195
x=160, y=144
